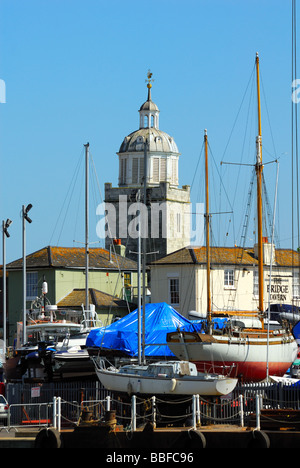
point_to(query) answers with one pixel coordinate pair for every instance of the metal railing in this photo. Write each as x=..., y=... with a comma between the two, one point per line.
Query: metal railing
x=29, y=415
x=129, y=415
x=64, y=406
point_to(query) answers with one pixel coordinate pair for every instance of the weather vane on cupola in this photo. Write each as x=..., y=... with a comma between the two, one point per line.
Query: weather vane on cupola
x=149, y=85
x=149, y=80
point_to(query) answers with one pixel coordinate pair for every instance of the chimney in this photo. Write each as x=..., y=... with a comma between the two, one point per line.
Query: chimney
x=119, y=248
x=268, y=251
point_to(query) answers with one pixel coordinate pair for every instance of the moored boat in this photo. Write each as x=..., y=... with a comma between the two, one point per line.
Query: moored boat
x=161, y=378
x=253, y=352
x=245, y=351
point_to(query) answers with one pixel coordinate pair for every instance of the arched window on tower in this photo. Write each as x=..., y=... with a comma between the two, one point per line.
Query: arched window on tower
x=146, y=121
x=152, y=121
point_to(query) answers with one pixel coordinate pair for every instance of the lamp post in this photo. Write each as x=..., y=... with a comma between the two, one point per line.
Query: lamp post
x=5, y=233
x=25, y=217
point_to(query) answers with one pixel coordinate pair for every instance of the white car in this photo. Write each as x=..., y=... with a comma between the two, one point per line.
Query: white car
x=3, y=409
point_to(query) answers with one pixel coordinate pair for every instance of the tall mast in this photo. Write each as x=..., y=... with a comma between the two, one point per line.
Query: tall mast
x=139, y=285
x=87, y=226
x=207, y=231
x=144, y=250
x=259, y=169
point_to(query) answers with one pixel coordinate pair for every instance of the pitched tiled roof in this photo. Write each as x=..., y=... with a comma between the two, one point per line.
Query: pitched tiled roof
x=73, y=257
x=226, y=255
x=287, y=257
x=100, y=299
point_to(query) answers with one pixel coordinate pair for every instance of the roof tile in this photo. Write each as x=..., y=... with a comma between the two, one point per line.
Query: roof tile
x=73, y=257
x=226, y=255
x=100, y=299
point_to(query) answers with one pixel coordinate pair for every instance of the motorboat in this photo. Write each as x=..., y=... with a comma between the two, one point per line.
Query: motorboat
x=49, y=330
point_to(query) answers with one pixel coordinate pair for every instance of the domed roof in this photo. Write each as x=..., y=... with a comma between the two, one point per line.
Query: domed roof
x=159, y=141
x=149, y=106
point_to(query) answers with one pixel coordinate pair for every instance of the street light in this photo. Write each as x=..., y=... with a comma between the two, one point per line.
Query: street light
x=25, y=217
x=26, y=211
x=5, y=226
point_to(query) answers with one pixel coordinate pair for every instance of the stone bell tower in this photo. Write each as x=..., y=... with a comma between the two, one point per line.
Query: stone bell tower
x=154, y=194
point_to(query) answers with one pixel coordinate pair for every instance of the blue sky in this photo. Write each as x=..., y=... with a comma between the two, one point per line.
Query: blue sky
x=75, y=72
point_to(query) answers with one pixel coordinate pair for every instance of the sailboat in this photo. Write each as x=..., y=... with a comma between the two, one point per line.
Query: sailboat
x=164, y=377
x=73, y=358
x=252, y=351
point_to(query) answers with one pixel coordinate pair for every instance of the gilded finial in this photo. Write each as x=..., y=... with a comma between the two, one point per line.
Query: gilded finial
x=149, y=79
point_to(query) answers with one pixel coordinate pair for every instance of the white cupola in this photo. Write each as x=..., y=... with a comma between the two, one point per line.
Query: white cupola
x=162, y=150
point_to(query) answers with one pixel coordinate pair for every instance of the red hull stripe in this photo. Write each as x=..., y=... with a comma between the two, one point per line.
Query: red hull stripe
x=247, y=371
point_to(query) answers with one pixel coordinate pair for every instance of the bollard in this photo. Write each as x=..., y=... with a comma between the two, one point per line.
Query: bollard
x=241, y=410
x=133, y=413
x=154, y=412
x=59, y=414
x=194, y=412
x=198, y=410
x=108, y=403
x=54, y=413
x=258, y=412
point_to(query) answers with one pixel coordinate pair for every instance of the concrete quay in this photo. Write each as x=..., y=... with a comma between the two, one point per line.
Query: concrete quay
x=161, y=439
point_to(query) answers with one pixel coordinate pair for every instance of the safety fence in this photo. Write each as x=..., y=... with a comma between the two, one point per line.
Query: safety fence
x=70, y=404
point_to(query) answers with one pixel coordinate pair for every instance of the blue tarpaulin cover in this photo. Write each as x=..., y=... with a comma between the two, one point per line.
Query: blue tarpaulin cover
x=160, y=319
x=296, y=332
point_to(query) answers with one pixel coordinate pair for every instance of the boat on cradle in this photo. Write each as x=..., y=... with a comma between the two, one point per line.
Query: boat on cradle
x=72, y=362
x=48, y=330
x=253, y=351
x=71, y=359
x=119, y=340
x=168, y=377
x=161, y=378
x=241, y=349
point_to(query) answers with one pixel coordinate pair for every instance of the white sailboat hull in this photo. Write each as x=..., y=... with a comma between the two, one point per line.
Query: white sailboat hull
x=244, y=358
x=203, y=384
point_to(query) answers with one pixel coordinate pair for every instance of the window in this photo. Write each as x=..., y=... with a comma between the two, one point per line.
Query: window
x=127, y=287
x=178, y=218
x=127, y=280
x=123, y=171
x=141, y=170
x=229, y=278
x=174, y=172
x=174, y=290
x=296, y=285
x=31, y=286
x=135, y=170
x=159, y=169
x=255, y=284
x=163, y=169
x=156, y=170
